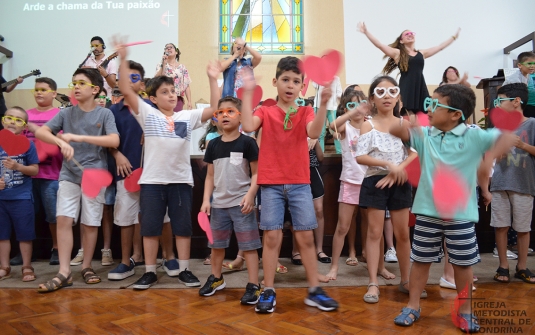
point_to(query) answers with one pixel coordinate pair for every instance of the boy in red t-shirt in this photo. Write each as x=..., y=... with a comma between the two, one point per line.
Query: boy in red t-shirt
x=284, y=176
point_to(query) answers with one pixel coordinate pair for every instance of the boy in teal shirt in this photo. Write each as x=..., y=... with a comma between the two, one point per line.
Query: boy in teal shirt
x=525, y=75
x=448, y=141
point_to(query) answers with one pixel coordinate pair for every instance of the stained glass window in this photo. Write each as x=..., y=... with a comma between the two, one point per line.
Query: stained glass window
x=269, y=26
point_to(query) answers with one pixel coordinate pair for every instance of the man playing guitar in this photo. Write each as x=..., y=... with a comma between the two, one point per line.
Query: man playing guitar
x=7, y=90
x=109, y=72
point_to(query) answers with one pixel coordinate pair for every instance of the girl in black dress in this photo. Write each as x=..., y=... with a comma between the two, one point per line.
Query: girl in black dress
x=402, y=54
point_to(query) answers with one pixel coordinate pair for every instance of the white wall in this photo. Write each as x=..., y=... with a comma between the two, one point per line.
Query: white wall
x=487, y=26
x=55, y=39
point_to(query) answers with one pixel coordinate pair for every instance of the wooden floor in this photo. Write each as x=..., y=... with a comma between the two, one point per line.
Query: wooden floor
x=503, y=309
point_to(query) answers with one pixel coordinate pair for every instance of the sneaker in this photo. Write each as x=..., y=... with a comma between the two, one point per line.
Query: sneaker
x=54, y=257
x=171, y=267
x=510, y=254
x=514, y=249
x=321, y=300
x=189, y=279
x=17, y=260
x=79, y=258
x=267, y=302
x=107, y=258
x=122, y=271
x=390, y=256
x=212, y=284
x=252, y=294
x=147, y=280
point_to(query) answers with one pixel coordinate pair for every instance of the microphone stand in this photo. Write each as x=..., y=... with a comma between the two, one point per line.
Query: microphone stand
x=88, y=55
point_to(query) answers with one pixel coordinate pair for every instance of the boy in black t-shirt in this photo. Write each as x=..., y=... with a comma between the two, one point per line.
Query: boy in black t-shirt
x=231, y=180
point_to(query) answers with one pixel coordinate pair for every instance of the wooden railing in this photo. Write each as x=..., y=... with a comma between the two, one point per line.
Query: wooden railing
x=529, y=37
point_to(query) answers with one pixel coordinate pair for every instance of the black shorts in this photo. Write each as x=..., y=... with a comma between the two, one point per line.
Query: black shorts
x=316, y=183
x=394, y=198
x=155, y=199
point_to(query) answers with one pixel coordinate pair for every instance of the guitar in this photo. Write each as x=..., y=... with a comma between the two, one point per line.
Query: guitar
x=11, y=82
x=105, y=63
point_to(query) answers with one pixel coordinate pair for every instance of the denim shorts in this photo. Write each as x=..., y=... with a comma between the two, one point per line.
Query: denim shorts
x=109, y=195
x=45, y=194
x=224, y=220
x=155, y=199
x=394, y=198
x=18, y=214
x=299, y=200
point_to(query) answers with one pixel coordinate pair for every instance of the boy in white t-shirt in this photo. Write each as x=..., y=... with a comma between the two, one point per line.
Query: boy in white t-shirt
x=167, y=177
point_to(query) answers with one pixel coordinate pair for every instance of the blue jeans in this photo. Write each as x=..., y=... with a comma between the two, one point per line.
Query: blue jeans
x=45, y=193
x=299, y=199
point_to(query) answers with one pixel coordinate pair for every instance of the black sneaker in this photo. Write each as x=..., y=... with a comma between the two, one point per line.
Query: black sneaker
x=147, y=280
x=188, y=278
x=54, y=258
x=252, y=294
x=212, y=284
x=267, y=302
x=321, y=300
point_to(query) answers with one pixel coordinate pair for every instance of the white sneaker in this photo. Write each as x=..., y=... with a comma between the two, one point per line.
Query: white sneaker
x=107, y=258
x=446, y=284
x=510, y=254
x=79, y=258
x=390, y=256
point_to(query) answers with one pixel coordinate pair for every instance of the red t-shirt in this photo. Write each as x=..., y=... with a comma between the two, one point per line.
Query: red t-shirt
x=283, y=157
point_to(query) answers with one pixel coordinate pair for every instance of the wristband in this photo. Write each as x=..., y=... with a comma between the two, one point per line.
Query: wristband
x=107, y=75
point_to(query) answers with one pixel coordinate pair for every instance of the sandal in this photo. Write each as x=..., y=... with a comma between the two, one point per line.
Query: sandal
x=404, y=290
x=468, y=323
x=54, y=285
x=352, y=261
x=7, y=269
x=89, y=274
x=372, y=298
x=228, y=265
x=404, y=319
x=525, y=275
x=296, y=261
x=281, y=269
x=501, y=272
x=28, y=274
x=325, y=259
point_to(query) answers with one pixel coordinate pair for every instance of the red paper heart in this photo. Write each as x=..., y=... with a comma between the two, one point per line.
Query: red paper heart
x=131, y=182
x=412, y=219
x=45, y=150
x=269, y=102
x=93, y=180
x=423, y=119
x=205, y=225
x=505, y=120
x=450, y=193
x=12, y=144
x=413, y=172
x=305, y=86
x=73, y=100
x=257, y=95
x=322, y=70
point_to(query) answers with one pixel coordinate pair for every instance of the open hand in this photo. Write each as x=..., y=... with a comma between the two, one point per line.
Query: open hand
x=124, y=168
x=362, y=27
x=118, y=43
x=213, y=69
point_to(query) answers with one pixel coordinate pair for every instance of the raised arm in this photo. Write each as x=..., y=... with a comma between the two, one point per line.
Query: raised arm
x=130, y=96
x=213, y=70
x=432, y=51
x=315, y=127
x=257, y=57
x=386, y=49
x=249, y=122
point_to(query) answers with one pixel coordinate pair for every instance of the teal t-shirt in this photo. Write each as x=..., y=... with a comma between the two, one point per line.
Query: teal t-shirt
x=462, y=149
x=531, y=90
